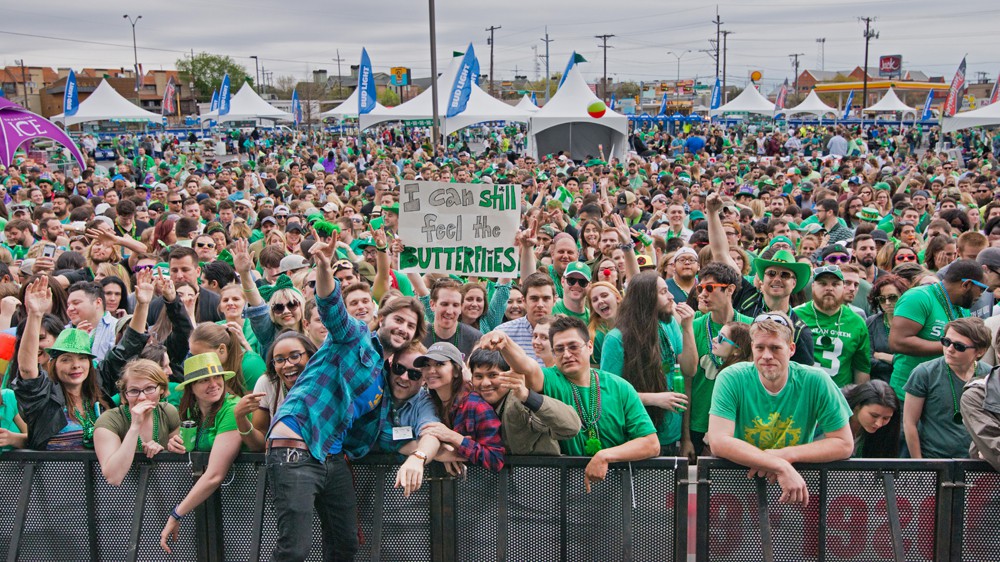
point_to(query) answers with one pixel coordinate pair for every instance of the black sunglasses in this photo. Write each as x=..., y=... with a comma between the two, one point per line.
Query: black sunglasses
x=959, y=347
x=399, y=370
x=577, y=281
x=279, y=307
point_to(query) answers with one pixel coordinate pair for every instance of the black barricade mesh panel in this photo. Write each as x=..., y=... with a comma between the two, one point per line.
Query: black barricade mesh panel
x=10, y=488
x=857, y=521
x=981, y=539
x=113, y=510
x=654, y=516
x=238, y=496
x=169, y=484
x=476, y=525
x=533, y=512
x=594, y=520
x=56, y=525
x=734, y=531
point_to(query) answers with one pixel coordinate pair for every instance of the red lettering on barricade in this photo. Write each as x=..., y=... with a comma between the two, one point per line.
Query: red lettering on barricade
x=977, y=533
x=725, y=524
x=846, y=526
x=881, y=537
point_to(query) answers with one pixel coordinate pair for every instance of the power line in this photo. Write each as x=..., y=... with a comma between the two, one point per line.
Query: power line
x=718, y=36
x=869, y=35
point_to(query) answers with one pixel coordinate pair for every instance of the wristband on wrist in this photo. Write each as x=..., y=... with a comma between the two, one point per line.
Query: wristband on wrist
x=175, y=515
x=420, y=455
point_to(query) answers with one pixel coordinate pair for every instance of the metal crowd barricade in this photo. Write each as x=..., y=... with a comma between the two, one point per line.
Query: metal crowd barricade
x=57, y=506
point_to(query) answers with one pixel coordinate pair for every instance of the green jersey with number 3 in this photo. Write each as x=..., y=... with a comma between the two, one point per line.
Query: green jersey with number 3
x=840, y=342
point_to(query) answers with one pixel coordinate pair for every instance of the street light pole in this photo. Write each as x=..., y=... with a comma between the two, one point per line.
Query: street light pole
x=435, y=131
x=679, y=57
x=135, y=55
x=256, y=71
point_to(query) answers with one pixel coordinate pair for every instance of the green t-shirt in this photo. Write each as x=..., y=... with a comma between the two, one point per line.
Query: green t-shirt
x=560, y=308
x=252, y=367
x=225, y=420
x=925, y=306
x=599, y=334
x=623, y=418
x=115, y=421
x=708, y=369
x=613, y=361
x=840, y=342
x=808, y=400
x=556, y=280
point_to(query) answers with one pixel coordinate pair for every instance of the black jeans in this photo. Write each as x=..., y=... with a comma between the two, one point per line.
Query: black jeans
x=298, y=483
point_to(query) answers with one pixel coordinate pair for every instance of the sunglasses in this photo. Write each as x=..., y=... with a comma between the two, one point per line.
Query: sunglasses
x=579, y=281
x=837, y=259
x=399, y=370
x=711, y=287
x=785, y=275
x=959, y=347
x=887, y=298
x=774, y=318
x=721, y=339
x=205, y=245
x=979, y=284
x=139, y=268
x=279, y=307
x=906, y=258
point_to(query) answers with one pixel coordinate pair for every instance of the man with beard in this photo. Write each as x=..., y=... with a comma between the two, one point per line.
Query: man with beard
x=841, y=346
x=334, y=410
x=686, y=266
x=777, y=276
x=531, y=424
x=574, y=286
x=446, y=305
x=718, y=282
x=865, y=251
x=921, y=314
x=660, y=347
x=758, y=418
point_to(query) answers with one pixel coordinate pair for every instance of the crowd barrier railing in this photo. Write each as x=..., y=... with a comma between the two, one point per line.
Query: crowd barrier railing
x=58, y=506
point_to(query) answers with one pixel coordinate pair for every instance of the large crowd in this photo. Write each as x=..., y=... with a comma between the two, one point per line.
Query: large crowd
x=766, y=295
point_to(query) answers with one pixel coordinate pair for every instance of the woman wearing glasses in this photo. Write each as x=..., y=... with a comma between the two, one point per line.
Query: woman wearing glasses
x=882, y=299
x=932, y=419
x=254, y=412
x=141, y=424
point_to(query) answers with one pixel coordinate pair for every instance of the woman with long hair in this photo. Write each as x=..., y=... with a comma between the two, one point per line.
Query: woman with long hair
x=875, y=419
x=206, y=402
x=285, y=360
x=603, y=300
x=143, y=423
x=882, y=300
x=272, y=308
x=732, y=344
x=590, y=240
x=468, y=423
x=475, y=311
x=228, y=343
x=940, y=251
x=173, y=327
x=163, y=234
x=232, y=303
x=57, y=304
x=115, y=296
x=646, y=328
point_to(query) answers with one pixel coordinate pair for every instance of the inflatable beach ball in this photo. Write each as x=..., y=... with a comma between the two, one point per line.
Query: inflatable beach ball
x=597, y=109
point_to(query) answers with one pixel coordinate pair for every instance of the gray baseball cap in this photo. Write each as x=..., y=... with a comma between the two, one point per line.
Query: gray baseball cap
x=441, y=351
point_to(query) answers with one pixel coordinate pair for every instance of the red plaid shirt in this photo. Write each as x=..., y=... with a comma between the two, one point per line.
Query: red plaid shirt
x=475, y=419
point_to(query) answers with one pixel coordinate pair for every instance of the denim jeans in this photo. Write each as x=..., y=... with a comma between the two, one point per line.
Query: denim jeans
x=298, y=484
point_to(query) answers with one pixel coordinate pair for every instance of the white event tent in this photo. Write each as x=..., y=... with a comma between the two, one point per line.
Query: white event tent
x=348, y=109
x=104, y=104
x=480, y=108
x=526, y=104
x=246, y=105
x=564, y=123
x=982, y=117
x=750, y=100
x=813, y=105
x=890, y=103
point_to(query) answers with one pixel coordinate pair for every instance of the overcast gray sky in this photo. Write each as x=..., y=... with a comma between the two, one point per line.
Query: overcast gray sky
x=294, y=38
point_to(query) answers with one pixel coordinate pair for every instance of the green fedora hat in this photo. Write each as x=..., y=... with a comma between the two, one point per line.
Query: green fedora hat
x=72, y=341
x=786, y=260
x=203, y=366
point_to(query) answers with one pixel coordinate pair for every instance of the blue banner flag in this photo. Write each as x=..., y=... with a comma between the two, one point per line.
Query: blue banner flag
x=71, y=101
x=462, y=88
x=215, y=101
x=534, y=98
x=573, y=59
x=611, y=105
x=663, y=105
x=366, y=85
x=926, y=115
x=224, y=96
x=717, y=94
x=847, y=108
x=296, y=107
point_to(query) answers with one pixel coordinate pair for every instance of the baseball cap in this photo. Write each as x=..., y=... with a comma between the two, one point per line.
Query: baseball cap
x=292, y=262
x=340, y=265
x=625, y=199
x=879, y=235
x=330, y=208
x=281, y=210
x=833, y=249
x=441, y=351
x=271, y=220
x=245, y=203
x=578, y=268
x=684, y=251
x=990, y=257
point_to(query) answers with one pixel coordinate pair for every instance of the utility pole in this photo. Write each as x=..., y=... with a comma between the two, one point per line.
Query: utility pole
x=679, y=57
x=605, y=38
x=256, y=71
x=339, y=60
x=435, y=131
x=718, y=37
x=24, y=82
x=135, y=54
x=822, y=52
x=548, y=75
x=869, y=35
x=491, y=29
x=795, y=65
x=725, y=52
